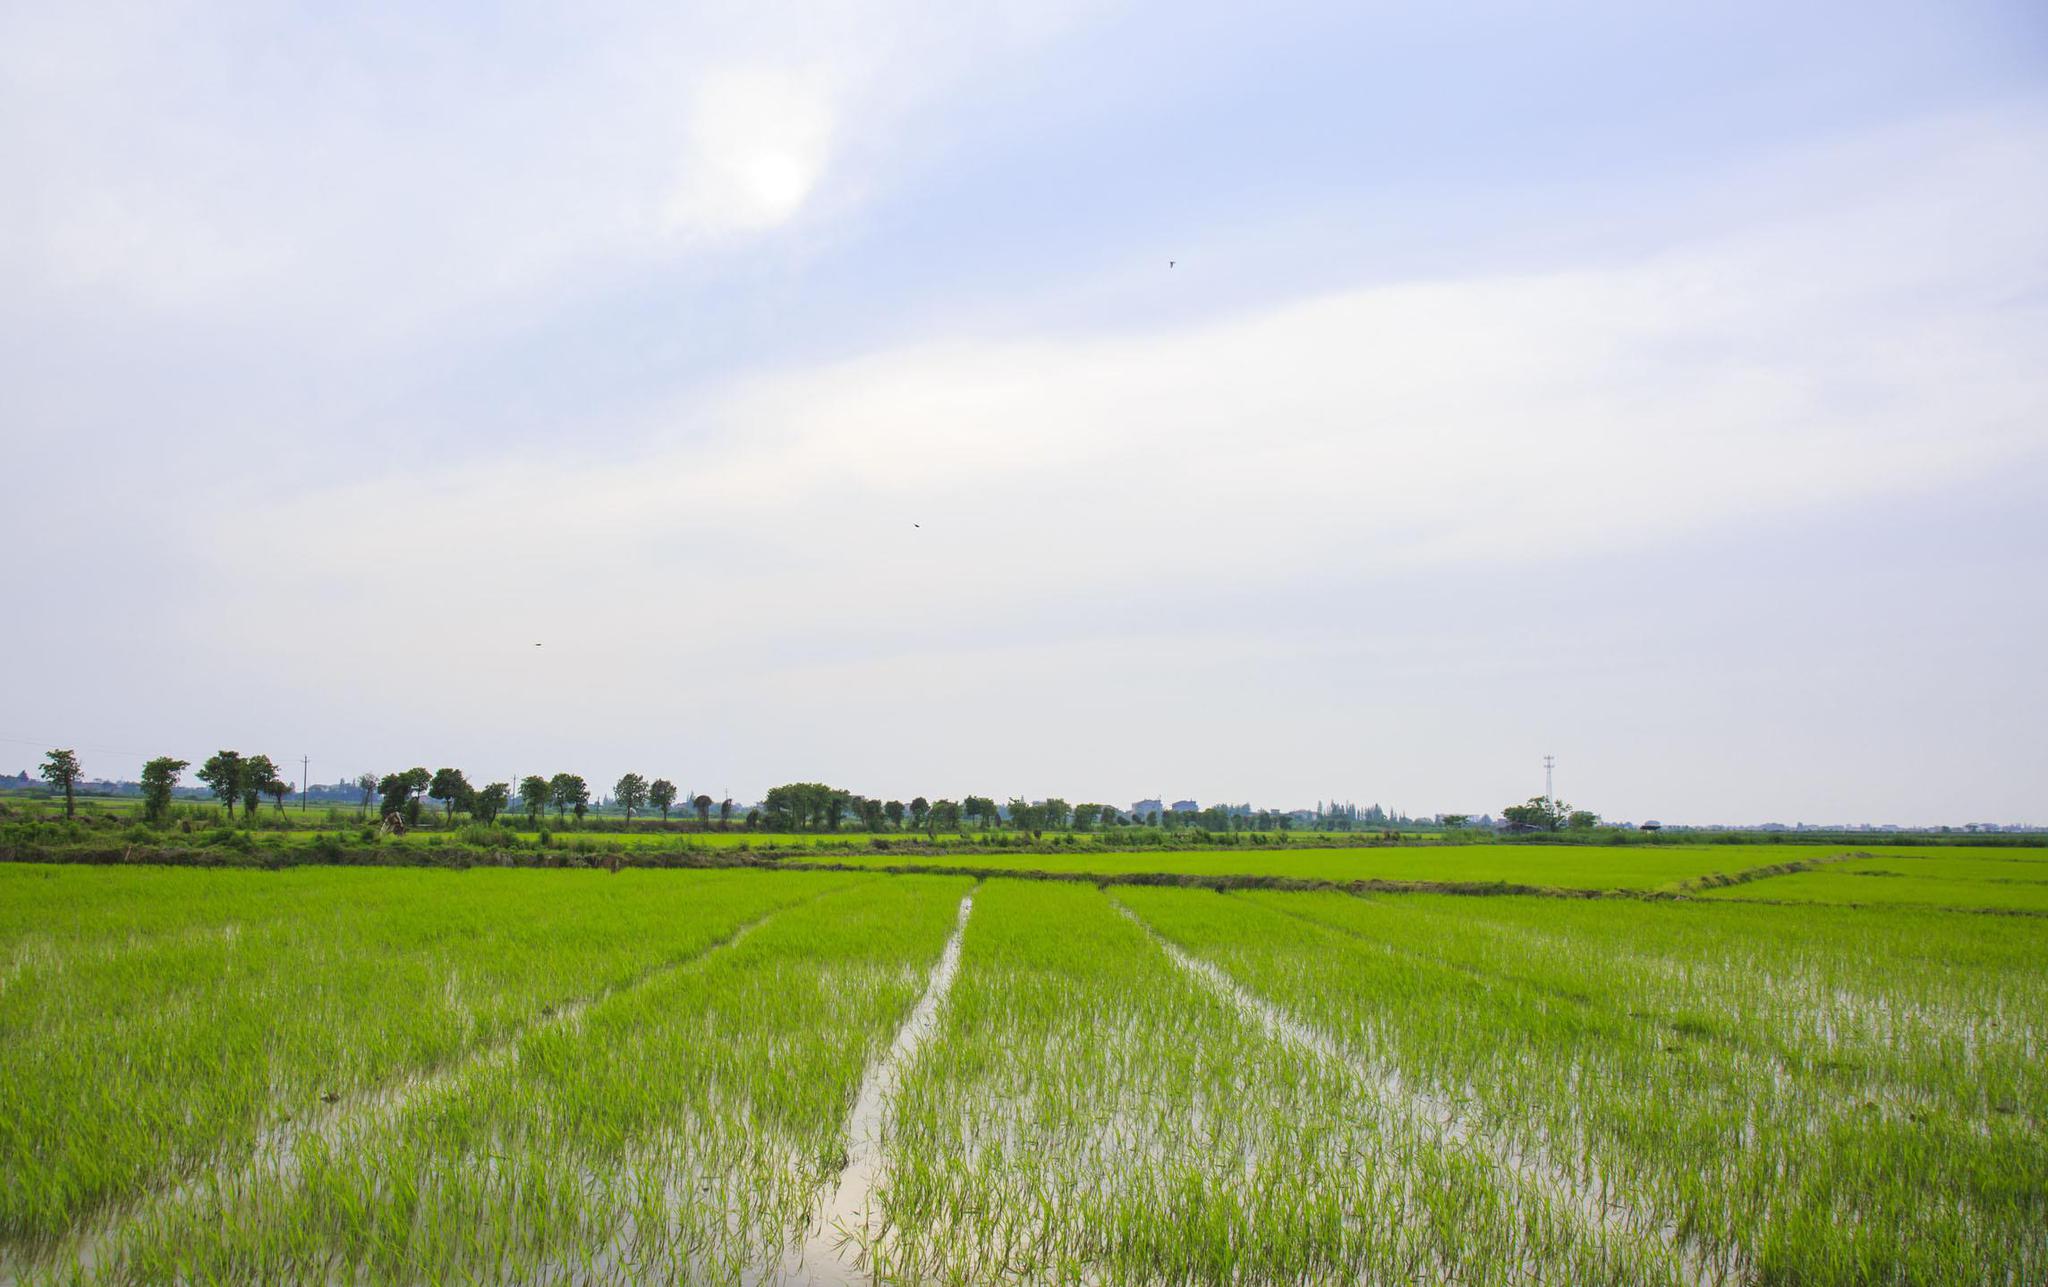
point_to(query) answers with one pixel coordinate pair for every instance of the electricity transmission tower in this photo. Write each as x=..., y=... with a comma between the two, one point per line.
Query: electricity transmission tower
x=1549, y=796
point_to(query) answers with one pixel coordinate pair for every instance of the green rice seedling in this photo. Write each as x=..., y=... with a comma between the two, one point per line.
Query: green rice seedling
x=675, y=1130
x=530, y=1075
x=1589, y=868
x=1797, y=1097
x=1091, y=1113
x=1995, y=881
x=163, y=1054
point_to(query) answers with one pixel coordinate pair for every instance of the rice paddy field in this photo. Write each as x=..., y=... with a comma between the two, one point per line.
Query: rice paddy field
x=1572, y=867
x=747, y=1076
x=1940, y=876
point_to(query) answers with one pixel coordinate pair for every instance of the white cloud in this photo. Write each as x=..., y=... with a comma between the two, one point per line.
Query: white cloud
x=234, y=243
x=1848, y=349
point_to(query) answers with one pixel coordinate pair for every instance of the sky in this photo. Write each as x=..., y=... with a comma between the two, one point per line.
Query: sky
x=1270, y=403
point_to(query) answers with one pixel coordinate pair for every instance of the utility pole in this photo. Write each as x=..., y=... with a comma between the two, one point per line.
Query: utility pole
x=1549, y=796
x=305, y=781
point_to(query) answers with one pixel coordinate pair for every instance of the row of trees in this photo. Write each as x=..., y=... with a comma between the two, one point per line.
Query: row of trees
x=565, y=793
x=159, y=780
x=797, y=806
x=400, y=794
x=814, y=806
x=233, y=776
x=636, y=792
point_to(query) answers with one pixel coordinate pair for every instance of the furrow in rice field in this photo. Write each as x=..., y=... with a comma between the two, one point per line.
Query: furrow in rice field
x=838, y=1244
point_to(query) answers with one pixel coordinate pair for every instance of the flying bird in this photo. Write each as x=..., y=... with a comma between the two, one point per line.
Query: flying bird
x=1171, y=262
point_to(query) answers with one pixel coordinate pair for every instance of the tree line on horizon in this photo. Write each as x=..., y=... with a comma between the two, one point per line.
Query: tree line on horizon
x=234, y=777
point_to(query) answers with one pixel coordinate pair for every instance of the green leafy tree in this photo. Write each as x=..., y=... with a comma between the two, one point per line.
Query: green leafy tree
x=981, y=809
x=452, y=789
x=534, y=793
x=870, y=813
x=631, y=792
x=1054, y=813
x=943, y=816
x=60, y=770
x=159, y=780
x=367, y=784
x=222, y=774
x=258, y=772
x=894, y=811
x=491, y=801
x=1453, y=821
x=568, y=791
x=662, y=795
x=796, y=806
x=780, y=808
x=1026, y=816
x=1538, y=814
x=920, y=809
x=277, y=789
x=401, y=793
x=1582, y=820
x=702, y=804
x=725, y=813
x=1085, y=816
